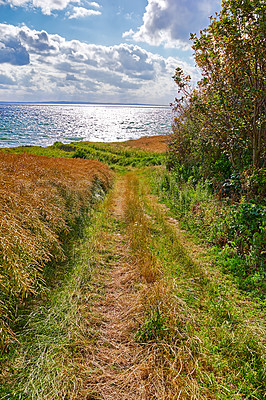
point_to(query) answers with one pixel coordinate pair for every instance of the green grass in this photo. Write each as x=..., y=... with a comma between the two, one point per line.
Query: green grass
x=202, y=337
x=236, y=231
x=115, y=155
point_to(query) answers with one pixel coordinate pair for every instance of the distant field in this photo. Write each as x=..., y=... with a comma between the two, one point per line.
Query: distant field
x=157, y=144
x=134, y=153
x=42, y=199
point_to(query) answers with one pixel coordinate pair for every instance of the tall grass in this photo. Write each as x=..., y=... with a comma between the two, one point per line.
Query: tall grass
x=41, y=200
x=56, y=332
x=138, y=227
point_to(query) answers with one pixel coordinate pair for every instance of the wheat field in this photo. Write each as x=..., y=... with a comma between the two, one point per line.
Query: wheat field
x=41, y=200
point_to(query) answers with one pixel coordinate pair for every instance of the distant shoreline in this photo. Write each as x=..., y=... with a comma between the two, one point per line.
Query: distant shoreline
x=84, y=103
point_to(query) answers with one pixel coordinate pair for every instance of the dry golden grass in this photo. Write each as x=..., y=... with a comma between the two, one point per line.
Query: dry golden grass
x=156, y=144
x=139, y=232
x=41, y=198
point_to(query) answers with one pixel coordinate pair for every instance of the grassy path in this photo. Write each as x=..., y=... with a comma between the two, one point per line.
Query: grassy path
x=112, y=363
x=143, y=315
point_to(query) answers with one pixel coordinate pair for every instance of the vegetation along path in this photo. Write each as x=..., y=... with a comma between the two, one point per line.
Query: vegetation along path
x=143, y=312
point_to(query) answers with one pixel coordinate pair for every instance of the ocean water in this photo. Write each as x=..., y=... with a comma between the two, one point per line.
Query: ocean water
x=43, y=124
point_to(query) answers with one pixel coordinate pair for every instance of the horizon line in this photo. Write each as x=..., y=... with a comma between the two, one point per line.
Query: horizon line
x=84, y=102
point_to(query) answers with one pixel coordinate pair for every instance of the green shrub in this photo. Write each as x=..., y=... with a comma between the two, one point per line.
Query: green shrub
x=80, y=153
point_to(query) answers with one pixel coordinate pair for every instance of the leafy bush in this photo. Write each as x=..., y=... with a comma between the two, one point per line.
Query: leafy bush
x=247, y=227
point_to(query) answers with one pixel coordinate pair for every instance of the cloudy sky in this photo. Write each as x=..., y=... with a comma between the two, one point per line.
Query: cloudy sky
x=97, y=51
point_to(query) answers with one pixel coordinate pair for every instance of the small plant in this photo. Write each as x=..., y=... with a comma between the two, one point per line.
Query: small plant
x=154, y=327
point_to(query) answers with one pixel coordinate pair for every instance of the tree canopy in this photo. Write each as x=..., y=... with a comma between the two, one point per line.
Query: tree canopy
x=220, y=124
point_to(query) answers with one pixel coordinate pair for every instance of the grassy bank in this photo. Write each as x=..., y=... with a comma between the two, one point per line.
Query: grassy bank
x=43, y=202
x=54, y=331
x=200, y=336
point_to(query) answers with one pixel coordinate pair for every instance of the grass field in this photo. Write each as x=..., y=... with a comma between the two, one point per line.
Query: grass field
x=134, y=306
x=134, y=153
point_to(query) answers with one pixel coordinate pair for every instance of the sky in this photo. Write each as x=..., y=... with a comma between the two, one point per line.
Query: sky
x=106, y=51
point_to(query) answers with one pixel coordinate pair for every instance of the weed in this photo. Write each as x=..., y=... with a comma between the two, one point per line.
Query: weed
x=153, y=327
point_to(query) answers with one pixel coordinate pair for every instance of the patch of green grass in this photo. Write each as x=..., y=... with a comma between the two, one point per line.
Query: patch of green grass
x=238, y=231
x=113, y=154
x=49, y=151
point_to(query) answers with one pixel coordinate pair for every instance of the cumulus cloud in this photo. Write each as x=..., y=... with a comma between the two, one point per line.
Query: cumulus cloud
x=170, y=22
x=12, y=50
x=94, y=4
x=81, y=12
x=47, y=6
x=71, y=77
x=16, y=3
x=38, y=42
x=48, y=65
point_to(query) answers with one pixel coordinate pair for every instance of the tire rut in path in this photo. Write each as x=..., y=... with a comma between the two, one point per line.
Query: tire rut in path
x=115, y=363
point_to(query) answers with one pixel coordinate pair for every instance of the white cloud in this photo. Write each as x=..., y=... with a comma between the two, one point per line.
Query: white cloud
x=170, y=22
x=127, y=34
x=35, y=65
x=12, y=51
x=94, y=4
x=81, y=12
x=46, y=6
x=6, y=80
x=16, y=3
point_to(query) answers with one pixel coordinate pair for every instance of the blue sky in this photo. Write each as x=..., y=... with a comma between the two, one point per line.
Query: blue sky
x=97, y=51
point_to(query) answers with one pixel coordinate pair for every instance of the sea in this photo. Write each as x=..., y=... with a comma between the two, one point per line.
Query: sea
x=24, y=124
